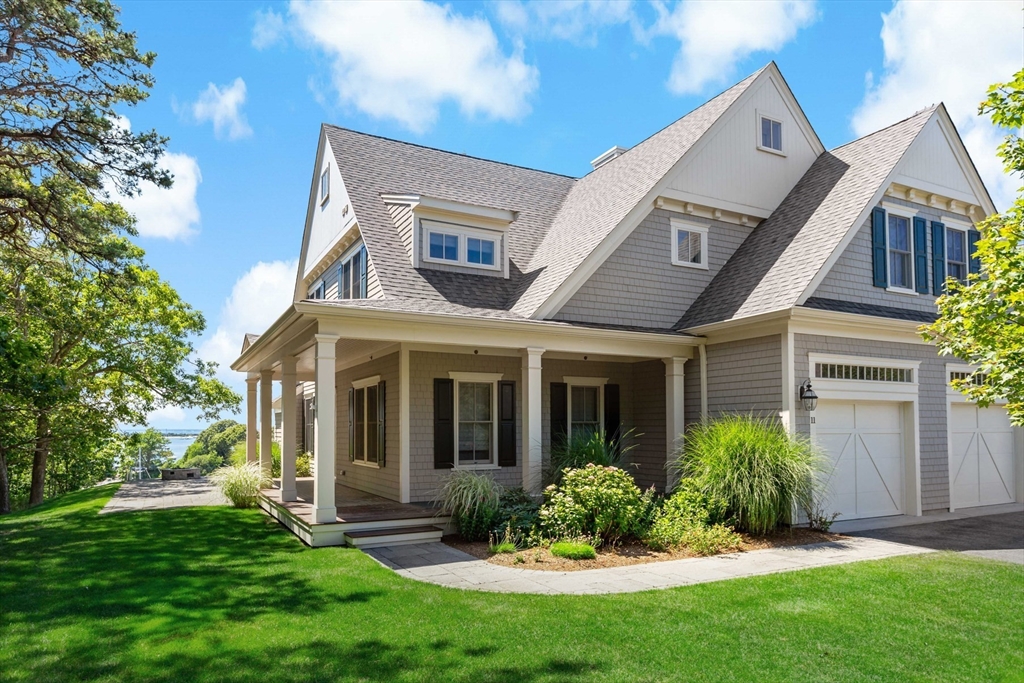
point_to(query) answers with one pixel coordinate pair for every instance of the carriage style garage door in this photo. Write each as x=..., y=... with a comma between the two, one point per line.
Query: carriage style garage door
x=865, y=442
x=980, y=455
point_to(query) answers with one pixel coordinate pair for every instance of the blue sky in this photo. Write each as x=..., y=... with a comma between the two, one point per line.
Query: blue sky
x=242, y=89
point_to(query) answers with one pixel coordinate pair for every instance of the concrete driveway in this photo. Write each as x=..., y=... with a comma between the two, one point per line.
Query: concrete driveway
x=998, y=537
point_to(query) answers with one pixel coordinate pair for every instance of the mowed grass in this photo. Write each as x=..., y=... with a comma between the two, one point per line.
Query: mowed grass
x=215, y=594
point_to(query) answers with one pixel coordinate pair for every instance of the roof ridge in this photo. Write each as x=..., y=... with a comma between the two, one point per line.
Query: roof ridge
x=919, y=112
x=446, y=151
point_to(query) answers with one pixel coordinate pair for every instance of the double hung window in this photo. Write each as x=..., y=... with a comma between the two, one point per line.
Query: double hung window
x=901, y=261
x=956, y=254
x=475, y=414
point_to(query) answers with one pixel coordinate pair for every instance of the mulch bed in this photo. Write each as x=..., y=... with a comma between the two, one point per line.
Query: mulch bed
x=627, y=553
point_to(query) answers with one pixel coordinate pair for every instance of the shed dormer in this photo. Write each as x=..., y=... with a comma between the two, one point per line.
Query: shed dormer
x=442, y=234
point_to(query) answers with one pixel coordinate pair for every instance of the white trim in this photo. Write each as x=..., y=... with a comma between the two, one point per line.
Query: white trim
x=901, y=290
x=404, y=426
x=910, y=215
x=463, y=233
x=586, y=381
x=682, y=200
x=365, y=463
x=862, y=389
x=759, y=115
x=476, y=376
x=788, y=413
x=963, y=228
x=325, y=174
x=424, y=202
x=679, y=225
x=366, y=382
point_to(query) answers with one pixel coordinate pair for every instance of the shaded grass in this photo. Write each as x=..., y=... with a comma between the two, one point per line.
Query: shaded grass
x=216, y=594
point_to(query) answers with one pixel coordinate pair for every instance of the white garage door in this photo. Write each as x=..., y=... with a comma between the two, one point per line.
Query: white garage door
x=980, y=455
x=865, y=443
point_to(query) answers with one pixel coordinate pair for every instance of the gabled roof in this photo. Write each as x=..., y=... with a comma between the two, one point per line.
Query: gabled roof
x=249, y=340
x=775, y=265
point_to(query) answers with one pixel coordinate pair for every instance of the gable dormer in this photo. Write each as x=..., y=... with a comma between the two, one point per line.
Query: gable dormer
x=440, y=234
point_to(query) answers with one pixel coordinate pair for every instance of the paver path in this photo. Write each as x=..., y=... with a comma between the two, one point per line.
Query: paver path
x=446, y=566
x=158, y=495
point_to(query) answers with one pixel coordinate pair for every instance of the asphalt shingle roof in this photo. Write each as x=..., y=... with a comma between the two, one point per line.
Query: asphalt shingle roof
x=870, y=309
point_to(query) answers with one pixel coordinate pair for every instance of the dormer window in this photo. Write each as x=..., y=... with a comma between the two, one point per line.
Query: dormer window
x=480, y=251
x=461, y=245
x=444, y=246
x=770, y=134
x=325, y=184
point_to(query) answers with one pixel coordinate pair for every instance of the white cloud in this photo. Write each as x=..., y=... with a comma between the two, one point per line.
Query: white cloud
x=268, y=29
x=714, y=36
x=574, y=20
x=170, y=413
x=256, y=300
x=949, y=52
x=223, y=107
x=401, y=61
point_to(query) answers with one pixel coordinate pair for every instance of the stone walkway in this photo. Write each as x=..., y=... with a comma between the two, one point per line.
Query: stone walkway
x=443, y=565
x=158, y=495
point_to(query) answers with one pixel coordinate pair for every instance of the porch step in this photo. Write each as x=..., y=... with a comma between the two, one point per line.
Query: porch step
x=406, y=535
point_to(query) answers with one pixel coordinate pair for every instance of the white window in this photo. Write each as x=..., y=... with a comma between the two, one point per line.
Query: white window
x=586, y=404
x=901, y=261
x=318, y=291
x=480, y=251
x=366, y=418
x=476, y=414
x=352, y=275
x=443, y=246
x=689, y=245
x=956, y=253
x=325, y=184
x=770, y=137
x=865, y=373
x=457, y=245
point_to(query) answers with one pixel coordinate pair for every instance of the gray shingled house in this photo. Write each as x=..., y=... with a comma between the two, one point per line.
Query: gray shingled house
x=455, y=312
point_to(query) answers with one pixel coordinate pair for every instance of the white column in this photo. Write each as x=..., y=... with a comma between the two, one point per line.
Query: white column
x=250, y=419
x=266, y=420
x=324, y=509
x=532, y=453
x=288, y=491
x=674, y=413
x=404, y=434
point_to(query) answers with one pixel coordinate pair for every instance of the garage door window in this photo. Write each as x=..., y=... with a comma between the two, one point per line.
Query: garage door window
x=869, y=373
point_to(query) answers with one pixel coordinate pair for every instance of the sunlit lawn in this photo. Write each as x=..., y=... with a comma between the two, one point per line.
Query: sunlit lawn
x=214, y=594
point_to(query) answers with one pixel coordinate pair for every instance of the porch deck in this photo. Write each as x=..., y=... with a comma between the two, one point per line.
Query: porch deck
x=357, y=511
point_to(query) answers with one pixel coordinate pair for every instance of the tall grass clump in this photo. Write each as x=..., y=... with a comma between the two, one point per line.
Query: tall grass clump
x=241, y=484
x=472, y=501
x=752, y=464
x=584, y=448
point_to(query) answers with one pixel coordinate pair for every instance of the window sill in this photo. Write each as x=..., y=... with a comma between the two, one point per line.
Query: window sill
x=476, y=467
x=776, y=152
x=684, y=264
x=900, y=290
x=462, y=264
x=363, y=463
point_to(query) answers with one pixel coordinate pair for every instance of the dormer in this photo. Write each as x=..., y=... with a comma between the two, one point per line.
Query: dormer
x=441, y=234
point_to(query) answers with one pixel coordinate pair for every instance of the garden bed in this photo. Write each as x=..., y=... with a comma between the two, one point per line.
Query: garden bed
x=627, y=553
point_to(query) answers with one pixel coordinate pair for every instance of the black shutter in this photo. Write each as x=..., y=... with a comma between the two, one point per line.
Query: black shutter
x=972, y=247
x=878, y=247
x=382, y=449
x=351, y=424
x=559, y=412
x=611, y=412
x=444, y=423
x=506, y=424
x=938, y=257
x=920, y=255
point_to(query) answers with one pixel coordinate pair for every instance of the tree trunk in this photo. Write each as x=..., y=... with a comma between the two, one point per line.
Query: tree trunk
x=5, y=484
x=42, y=450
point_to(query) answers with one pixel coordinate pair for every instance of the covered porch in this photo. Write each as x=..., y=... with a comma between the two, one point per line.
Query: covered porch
x=395, y=360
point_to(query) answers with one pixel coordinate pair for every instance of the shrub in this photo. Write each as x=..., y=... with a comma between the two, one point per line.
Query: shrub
x=573, y=551
x=241, y=484
x=593, y=501
x=710, y=540
x=472, y=500
x=689, y=508
x=754, y=465
x=586, y=448
x=206, y=463
x=304, y=464
x=517, y=511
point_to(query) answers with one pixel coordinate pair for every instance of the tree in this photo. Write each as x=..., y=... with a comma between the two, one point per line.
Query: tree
x=982, y=322
x=149, y=446
x=212, y=447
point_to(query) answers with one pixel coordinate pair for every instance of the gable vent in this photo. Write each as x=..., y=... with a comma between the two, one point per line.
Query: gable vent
x=614, y=152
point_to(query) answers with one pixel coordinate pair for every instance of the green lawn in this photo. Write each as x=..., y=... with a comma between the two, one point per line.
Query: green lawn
x=224, y=595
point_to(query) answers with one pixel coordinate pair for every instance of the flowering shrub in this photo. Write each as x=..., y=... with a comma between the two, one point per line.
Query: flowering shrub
x=593, y=501
x=692, y=519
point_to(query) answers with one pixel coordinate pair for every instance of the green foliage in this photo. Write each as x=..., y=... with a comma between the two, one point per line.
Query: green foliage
x=982, y=322
x=584, y=447
x=304, y=464
x=573, y=551
x=593, y=501
x=472, y=500
x=518, y=511
x=502, y=548
x=206, y=463
x=710, y=540
x=153, y=447
x=693, y=519
x=218, y=439
x=241, y=484
x=754, y=465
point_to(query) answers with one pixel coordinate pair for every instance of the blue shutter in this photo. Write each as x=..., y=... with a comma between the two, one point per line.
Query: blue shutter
x=938, y=257
x=972, y=238
x=878, y=247
x=920, y=255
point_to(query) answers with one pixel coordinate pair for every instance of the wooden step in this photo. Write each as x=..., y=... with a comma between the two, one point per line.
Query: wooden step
x=405, y=535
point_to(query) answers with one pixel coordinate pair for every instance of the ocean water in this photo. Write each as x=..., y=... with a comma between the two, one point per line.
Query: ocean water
x=179, y=444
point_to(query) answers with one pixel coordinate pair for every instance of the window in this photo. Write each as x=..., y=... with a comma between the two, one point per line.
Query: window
x=689, y=245
x=863, y=372
x=584, y=411
x=365, y=420
x=308, y=423
x=318, y=291
x=978, y=379
x=480, y=251
x=771, y=134
x=901, y=262
x=444, y=247
x=475, y=418
x=325, y=184
x=956, y=254
x=352, y=275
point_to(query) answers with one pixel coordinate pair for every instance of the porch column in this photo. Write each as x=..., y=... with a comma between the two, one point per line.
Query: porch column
x=288, y=491
x=250, y=419
x=266, y=420
x=532, y=453
x=324, y=509
x=674, y=414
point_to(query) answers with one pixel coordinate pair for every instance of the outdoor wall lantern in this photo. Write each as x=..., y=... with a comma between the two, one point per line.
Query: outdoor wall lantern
x=808, y=396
